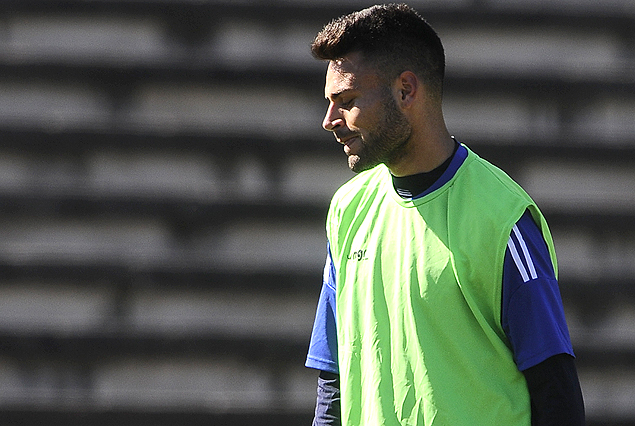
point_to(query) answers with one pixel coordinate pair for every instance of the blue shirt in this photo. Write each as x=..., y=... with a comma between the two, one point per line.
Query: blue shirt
x=532, y=312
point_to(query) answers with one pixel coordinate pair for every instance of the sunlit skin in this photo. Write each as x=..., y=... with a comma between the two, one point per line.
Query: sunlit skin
x=397, y=124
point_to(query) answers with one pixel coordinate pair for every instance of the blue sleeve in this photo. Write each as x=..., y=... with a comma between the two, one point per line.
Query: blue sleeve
x=532, y=312
x=322, y=353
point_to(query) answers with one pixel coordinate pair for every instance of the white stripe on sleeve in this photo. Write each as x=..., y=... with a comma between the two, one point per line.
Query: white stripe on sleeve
x=523, y=246
x=517, y=261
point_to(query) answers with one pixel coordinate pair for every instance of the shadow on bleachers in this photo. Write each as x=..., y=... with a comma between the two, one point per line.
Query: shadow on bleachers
x=164, y=181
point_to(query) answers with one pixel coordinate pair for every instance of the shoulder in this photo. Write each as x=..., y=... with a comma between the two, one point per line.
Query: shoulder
x=361, y=188
x=487, y=195
x=490, y=181
x=362, y=181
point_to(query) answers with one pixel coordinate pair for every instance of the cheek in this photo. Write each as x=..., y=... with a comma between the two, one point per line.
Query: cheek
x=356, y=119
x=365, y=115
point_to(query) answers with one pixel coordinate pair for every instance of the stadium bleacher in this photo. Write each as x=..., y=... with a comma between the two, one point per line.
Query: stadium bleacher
x=164, y=181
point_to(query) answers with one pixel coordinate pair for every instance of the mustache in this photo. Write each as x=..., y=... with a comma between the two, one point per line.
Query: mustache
x=343, y=136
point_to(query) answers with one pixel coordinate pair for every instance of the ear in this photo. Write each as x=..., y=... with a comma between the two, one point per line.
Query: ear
x=408, y=87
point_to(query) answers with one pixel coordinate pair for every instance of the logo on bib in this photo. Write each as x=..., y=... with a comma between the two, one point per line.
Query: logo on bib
x=358, y=255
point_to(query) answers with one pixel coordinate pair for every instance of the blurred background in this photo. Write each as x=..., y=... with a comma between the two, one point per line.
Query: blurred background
x=164, y=181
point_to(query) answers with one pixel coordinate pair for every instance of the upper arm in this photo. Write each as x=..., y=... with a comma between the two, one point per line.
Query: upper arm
x=322, y=354
x=532, y=312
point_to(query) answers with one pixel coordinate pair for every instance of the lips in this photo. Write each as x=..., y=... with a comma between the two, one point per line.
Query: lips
x=351, y=145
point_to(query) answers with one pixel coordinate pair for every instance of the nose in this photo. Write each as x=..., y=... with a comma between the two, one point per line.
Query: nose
x=333, y=119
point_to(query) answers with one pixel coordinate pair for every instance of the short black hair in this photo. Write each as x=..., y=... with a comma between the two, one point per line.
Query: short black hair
x=393, y=37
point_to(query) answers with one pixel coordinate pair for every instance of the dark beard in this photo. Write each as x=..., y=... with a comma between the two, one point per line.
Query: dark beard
x=388, y=143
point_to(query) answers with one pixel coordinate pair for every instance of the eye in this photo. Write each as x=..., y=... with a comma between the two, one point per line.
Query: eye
x=348, y=103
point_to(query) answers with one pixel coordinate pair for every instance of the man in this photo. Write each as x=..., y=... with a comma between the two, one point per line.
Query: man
x=440, y=304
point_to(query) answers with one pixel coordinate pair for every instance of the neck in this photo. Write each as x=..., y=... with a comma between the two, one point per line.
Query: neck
x=423, y=154
x=413, y=186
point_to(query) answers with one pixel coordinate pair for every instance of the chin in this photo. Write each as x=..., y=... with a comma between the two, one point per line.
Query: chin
x=354, y=163
x=357, y=165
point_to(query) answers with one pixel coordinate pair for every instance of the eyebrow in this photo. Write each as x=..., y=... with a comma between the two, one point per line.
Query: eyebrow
x=336, y=95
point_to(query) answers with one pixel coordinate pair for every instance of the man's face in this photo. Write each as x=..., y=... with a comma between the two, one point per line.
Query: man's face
x=363, y=115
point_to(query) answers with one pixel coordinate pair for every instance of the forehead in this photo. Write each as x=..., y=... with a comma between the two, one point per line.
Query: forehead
x=349, y=73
